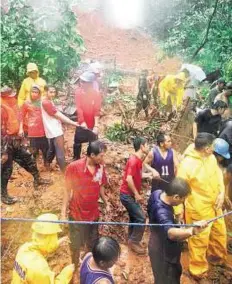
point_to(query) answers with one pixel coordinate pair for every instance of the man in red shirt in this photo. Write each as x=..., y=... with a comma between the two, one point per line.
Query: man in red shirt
x=85, y=180
x=88, y=104
x=32, y=110
x=130, y=193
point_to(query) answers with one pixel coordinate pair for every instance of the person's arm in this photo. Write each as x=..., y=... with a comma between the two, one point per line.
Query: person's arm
x=67, y=192
x=176, y=161
x=23, y=113
x=131, y=185
x=65, y=119
x=194, y=130
x=221, y=196
x=103, y=197
x=147, y=165
x=80, y=114
x=96, y=124
x=22, y=94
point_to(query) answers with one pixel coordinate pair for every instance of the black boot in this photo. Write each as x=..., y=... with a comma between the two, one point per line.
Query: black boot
x=41, y=181
x=6, y=199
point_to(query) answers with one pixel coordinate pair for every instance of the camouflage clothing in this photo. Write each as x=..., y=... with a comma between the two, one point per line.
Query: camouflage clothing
x=144, y=96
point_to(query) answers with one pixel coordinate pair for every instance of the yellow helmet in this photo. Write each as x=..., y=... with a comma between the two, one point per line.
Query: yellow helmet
x=46, y=228
x=32, y=67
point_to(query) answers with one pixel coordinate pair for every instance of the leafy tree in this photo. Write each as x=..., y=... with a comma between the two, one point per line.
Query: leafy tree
x=29, y=36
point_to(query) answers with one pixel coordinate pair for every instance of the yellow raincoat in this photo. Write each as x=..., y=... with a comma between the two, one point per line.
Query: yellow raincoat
x=206, y=181
x=24, y=93
x=31, y=267
x=169, y=88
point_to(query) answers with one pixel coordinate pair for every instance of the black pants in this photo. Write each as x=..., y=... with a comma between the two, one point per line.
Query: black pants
x=82, y=136
x=164, y=272
x=21, y=157
x=39, y=143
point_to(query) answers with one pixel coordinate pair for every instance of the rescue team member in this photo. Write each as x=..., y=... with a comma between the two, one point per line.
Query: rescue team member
x=162, y=162
x=226, y=134
x=221, y=150
x=215, y=91
x=52, y=119
x=209, y=120
x=32, y=79
x=32, y=110
x=88, y=104
x=165, y=242
x=30, y=265
x=85, y=180
x=171, y=90
x=11, y=143
x=199, y=168
x=144, y=96
x=96, y=68
x=96, y=264
x=130, y=194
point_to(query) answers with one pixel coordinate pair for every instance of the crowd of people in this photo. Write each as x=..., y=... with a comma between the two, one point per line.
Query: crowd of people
x=190, y=189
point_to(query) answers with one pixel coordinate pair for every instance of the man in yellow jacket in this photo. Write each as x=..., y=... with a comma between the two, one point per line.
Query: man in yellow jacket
x=171, y=90
x=30, y=265
x=32, y=79
x=199, y=168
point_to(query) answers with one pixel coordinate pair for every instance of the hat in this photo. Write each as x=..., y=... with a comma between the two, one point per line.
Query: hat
x=180, y=76
x=46, y=228
x=221, y=147
x=95, y=67
x=7, y=91
x=32, y=67
x=88, y=77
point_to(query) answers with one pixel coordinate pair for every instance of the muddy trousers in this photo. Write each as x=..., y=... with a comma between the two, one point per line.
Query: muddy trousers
x=80, y=236
x=39, y=144
x=210, y=243
x=82, y=136
x=164, y=272
x=56, y=149
x=21, y=157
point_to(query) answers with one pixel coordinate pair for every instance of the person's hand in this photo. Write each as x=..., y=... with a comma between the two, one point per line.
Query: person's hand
x=95, y=130
x=21, y=133
x=84, y=125
x=138, y=198
x=219, y=201
x=155, y=174
x=201, y=225
x=4, y=158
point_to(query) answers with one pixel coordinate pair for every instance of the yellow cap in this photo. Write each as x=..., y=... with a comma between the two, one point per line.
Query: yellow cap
x=46, y=228
x=180, y=76
x=32, y=67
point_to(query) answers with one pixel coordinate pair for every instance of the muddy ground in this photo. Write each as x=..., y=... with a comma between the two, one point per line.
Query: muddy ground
x=131, y=268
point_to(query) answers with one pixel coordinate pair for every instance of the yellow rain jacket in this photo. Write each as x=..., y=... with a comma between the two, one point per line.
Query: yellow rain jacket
x=24, y=93
x=31, y=267
x=206, y=181
x=168, y=87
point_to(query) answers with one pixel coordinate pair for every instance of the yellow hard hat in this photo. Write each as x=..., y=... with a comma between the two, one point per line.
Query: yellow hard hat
x=32, y=67
x=180, y=76
x=46, y=228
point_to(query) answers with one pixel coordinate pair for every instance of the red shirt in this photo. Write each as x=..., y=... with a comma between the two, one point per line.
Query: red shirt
x=35, y=121
x=49, y=107
x=85, y=190
x=88, y=106
x=133, y=168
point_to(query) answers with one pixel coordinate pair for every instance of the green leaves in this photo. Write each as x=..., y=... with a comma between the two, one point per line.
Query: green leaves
x=55, y=51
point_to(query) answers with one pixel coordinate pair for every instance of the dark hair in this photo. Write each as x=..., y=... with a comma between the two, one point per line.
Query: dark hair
x=219, y=104
x=221, y=81
x=96, y=147
x=178, y=186
x=105, y=249
x=161, y=138
x=49, y=86
x=138, y=141
x=203, y=140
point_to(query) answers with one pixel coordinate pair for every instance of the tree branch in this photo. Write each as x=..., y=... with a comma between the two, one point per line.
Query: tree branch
x=207, y=30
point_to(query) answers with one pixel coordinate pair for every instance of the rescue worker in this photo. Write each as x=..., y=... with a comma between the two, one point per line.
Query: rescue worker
x=226, y=96
x=30, y=265
x=215, y=91
x=221, y=150
x=226, y=134
x=144, y=96
x=200, y=169
x=171, y=90
x=32, y=79
x=11, y=143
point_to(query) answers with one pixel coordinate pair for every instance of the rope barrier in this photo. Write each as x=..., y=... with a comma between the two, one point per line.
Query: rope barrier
x=112, y=223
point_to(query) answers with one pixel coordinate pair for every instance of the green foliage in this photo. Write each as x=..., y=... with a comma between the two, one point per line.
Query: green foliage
x=228, y=70
x=117, y=133
x=128, y=99
x=55, y=51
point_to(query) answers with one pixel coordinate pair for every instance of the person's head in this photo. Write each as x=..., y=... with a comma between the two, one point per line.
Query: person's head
x=140, y=144
x=96, y=152
x=87, y=79
x=221, y=84
x=219, y=107
x=32, y=70
x=50, y=91
x=221, y=149
x=186, y=72
x=35, y=93
x=179, y=79
x=204, y=143
x=164, y=141
x=96, y=68
x=7, y=92
x=106, y=252
x=228, y=89
x=45, y=234
x=177, y=191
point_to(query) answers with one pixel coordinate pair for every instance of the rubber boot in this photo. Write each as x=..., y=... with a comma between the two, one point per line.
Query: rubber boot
x=6, y=199
x=41, y=181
